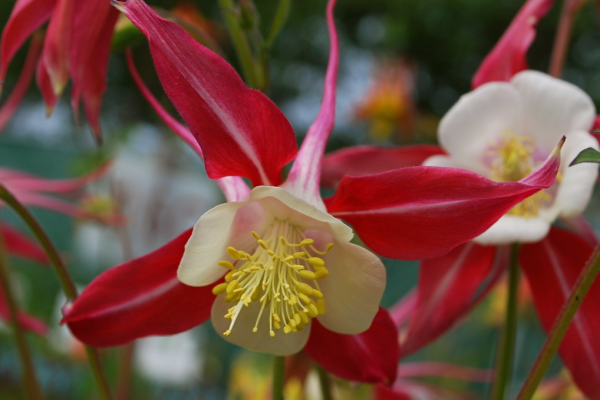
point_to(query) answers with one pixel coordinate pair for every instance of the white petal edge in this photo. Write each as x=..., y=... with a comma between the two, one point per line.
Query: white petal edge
x=354, y=287
x=578, y=181
x=443, y=161
x=512, y=229
x=552, y=107
x=477, y=120
x=222, y=226
x=299, y=212
x=281, y=345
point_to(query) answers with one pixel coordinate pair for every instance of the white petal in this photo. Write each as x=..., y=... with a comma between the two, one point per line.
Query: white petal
x=354, y=287
x=552, y=108
x=512, y=229
x=281, y=204
x=222, y=226
x=578, y=181
x=281, y=345
x=477, y=120
x=443, y=161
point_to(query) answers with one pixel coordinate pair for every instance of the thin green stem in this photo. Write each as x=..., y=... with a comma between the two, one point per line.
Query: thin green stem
x=563, y=35
x=281, y=16
x=325, y=382
x=278, y=378
x=506, y=348
x=241, y=44
x=31, y=387
x=562, y=322
x=63, y=276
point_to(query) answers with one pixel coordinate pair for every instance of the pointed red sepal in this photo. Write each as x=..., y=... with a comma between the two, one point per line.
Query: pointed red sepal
x=20, y=245
x=45, y=86
x=371, y=356
x=369, y=160
x=240, y=131
x=449, y=287
x=25, y=18
x=423, y=212
x=12, y=102
x=28, y=322
x=93, y=27
x=552, y=267
x=139, y=298
x=508, y=56
x=57, y=47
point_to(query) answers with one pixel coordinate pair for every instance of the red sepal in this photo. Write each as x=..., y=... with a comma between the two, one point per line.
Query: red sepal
x=422, y=212
x=369, y=160
x=27, y=321
x=508, y=56
x=449, y=287
x=552, y=267
x=19, y=245
x=241, y=132
x=139, y=298
x=371, y=356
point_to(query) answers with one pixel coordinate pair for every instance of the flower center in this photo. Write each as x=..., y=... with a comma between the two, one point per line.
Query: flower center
x=512, y=160
x=281, y=274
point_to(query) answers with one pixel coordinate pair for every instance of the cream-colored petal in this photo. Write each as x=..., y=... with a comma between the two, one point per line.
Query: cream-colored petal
x=443, y=161
x=512, y=229
x=552, y=108
x=241, y=334
x=353, y=288
x=281, y=204
x=477, y=120
x=222, y=226
x=578, y=181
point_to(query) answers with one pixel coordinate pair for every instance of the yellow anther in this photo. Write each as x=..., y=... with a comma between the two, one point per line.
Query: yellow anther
x=277, y=325
x=312, y=310
x=255, y=329
x=272, y=333
x=304, y=298
x=328, y=247
x=220, y=288
x=229, y=276
x=305, y=288
x=321, y=273
x=316, y=261
x=292, y=323
x=276, y=318
x=226, y=264
x=232, y=286
x=317, y=294
x=306, y=242
x=233, y=253
x=283, y=241
x=255, y=235
x=227, y=332
x=298, y=267
x=255, y=294
x=304, y=317
x=263, y=244
x=321, y=306
x=298, y=319
x=307, y=275
x=287, y=329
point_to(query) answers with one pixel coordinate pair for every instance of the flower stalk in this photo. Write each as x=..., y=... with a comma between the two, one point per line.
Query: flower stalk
x=278, y=378
x=30, y=383
x=63, y=276
x=325, y=382
x=506, y=347
x=562, y=323
x=563, y=35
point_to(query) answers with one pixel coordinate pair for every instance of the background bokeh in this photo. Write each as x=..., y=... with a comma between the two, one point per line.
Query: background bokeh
x=163, y=189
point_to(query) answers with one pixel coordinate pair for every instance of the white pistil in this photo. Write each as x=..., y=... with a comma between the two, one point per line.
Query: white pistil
x=275, y=276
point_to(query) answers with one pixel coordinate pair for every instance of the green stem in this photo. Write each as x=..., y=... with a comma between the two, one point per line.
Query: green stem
x=30, y=383
x=281, y=16
x=506, y=347
x=563, y=35
x=63, y=276
x=241, y=44
x=278, y=377
x=562, y=322
x=325, y=382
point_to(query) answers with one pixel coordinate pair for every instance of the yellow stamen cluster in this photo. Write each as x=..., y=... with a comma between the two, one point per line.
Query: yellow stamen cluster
x=281, y=274
x=512, y=160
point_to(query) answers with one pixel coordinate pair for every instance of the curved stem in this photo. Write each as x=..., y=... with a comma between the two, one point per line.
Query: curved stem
x=561, y=324
x=30, y=383
x=278, y=378
x=325, y=382
x=563, y=35
x=63, y=276
x=506, y=347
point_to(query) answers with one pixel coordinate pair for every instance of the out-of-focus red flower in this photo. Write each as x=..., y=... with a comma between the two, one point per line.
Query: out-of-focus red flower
x=76, y=48
x=388, y=106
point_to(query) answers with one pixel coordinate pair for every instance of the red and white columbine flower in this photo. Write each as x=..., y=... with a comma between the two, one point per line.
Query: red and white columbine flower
x=504, y=130
x=274, y=266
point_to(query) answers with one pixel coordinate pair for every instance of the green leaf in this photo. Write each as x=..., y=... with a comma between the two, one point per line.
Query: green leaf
x=587, y=155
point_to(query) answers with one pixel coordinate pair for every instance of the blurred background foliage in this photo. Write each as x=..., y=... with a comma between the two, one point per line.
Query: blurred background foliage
x=441, y=42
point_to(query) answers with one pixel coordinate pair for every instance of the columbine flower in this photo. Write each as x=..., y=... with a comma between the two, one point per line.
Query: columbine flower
x=76, y=47
x=274, y=266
